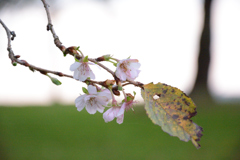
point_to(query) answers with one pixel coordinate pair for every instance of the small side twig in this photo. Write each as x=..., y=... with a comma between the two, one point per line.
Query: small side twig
x=101, y=65
x=9, y=48
x=15, y=59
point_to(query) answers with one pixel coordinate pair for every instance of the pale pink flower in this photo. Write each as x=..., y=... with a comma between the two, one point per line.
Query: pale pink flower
x=111, y=113
x=82, y=71
x=128, y=105
x=127, y=69
x=117, y=112
x=93, y=101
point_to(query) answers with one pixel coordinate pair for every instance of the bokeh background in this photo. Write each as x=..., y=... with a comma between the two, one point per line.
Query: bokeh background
x=189, y=44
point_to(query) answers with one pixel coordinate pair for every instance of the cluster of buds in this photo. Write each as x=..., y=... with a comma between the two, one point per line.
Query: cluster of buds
x=96, y=98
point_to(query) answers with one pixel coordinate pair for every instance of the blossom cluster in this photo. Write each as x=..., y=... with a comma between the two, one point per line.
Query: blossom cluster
x=95, y=98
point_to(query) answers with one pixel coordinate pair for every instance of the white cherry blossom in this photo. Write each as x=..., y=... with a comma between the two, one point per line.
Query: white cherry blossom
x=93, y=101
x=82, y=71
x=127, y=69
x=115, y=112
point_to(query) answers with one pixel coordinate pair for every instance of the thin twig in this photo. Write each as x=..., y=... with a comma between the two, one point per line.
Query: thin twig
x=9, y=48
x=101, y=65
x=15, y=59
x=57, y=42
x=135, y=83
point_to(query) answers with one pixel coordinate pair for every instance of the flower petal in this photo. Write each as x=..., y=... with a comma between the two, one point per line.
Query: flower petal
x=91, y=109
x=82, y=77
x=134, y=65
x=132, y=60
x=87, y=97
x=122, y=109
x=108, y=115
x=105, y=93
x=115, y=111
x=92, y=89
x=79, y=102
x=120, y=119
x=121, y=75
x=91, y=63
x=118, y=72
x=76, y=75
x=74, y=66
x=101, y=100
x=80, y=99
x=134, y=74
x=91, y=74
x=100, y=108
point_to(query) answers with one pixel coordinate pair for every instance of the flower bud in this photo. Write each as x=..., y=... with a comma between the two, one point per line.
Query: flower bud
x=107, y=57
x=110, y=82
x=14, y=63
x=71, y=50
x=116, y=92
x=103, y=58
x=49, y=26
x=44, y=73
x=99, y=59
x=129, y=97
x=13, y=35
x=60, y=74
x=55, y=81
x=17, y=56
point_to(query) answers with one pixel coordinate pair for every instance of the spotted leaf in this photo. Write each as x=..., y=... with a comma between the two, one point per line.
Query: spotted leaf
x=172, y=109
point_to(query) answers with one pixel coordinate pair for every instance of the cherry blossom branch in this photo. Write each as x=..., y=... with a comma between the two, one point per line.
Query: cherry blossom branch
x=71, y=50
x=15, y=59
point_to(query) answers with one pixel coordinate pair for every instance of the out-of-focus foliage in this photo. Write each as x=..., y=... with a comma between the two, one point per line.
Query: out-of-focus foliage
x=59, y=132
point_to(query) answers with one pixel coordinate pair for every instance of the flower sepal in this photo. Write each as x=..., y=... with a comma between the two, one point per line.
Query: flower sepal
x=85, y=59
x=85, y=90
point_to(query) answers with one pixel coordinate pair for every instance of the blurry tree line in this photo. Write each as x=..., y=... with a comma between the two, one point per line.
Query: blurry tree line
x=204, y=51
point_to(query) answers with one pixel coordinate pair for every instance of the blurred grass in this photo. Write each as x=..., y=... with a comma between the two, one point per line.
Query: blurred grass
x=61, y=132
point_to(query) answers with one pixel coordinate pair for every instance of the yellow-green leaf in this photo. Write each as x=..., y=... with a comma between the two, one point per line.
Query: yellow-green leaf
x=172, y=109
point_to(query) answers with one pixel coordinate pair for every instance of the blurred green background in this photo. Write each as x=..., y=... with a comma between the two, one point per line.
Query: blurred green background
x=61, y=132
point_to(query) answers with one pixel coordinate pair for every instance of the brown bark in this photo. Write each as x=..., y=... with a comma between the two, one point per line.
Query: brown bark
x=204, y=54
